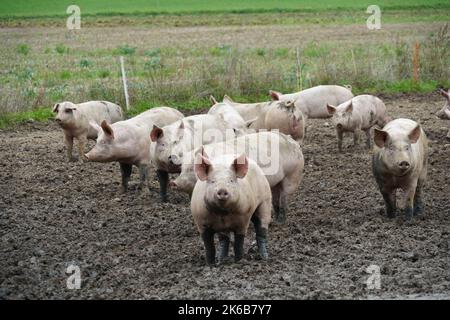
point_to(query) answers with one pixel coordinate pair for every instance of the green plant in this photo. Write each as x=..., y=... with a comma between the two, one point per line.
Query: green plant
x=23, y=48
x=61, y=48
x=85, y=63
x=125, y=50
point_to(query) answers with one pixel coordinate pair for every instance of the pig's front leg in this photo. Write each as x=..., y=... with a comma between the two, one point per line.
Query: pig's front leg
x=418, y=201
x=409, y=205
x=390, y=202
x=125, y=170
x=210, y=250
x=261, y=231
x=82, y=141
x=69, y=145
x=368, y=139
x=238, y=246
x=355, y=138
x=224, y=246
x=339, y=135
x=163, y=178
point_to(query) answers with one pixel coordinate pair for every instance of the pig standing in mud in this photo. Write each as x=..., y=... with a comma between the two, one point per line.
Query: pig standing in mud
x=360, y=113
x=444, y=113
x=127, y=141
x=231, y=190
x=75, y=118
x=281, y=115
x=400, y=162
x=174, y=140
x=278, y=155
x=313, y=101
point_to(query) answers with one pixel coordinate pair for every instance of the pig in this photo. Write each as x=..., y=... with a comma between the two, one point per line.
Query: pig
x=172, y=141
x=400, y=162
x=231, y=190
x=444, y=113
x=230, y=115
x=273, y=115
x=128, y=143
x=74, y=120
x=313, y=101
x=284, y=176
x=360, y=113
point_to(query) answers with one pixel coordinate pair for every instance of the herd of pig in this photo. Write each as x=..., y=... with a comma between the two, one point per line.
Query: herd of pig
x=217, y=154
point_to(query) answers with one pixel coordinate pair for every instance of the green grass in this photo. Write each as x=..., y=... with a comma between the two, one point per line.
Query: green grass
x=48, y=8
x=39, y=114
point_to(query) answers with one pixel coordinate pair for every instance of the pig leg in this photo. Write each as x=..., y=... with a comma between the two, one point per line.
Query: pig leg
x=410, y=195
x=125, y=170
x=143, y=175
x=390, y=202
x=368, y=139
x=69, y=144
x=163, y=178
x=210, y=250
x=224, y=246
x=82, y=141
x=276, y=201
x=355, y=138
x=418, y=201
x=261, y=220
x=339, y=134
x=238, y=246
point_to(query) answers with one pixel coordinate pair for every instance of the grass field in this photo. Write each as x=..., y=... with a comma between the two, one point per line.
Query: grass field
x=24, y=8
x=180, y=59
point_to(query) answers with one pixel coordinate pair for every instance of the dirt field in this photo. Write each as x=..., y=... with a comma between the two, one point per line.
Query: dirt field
x=54, y=213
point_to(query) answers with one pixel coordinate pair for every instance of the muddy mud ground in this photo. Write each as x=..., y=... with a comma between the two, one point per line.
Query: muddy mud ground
x=54, y=213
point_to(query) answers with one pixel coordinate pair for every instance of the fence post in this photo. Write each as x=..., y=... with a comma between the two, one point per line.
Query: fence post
x=299, y=70
x=124, y=81
x=416, y=61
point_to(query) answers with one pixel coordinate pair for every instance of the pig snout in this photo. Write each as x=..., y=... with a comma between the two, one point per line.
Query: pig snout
x=339, y=126
x=404, y=165
x=174, y=160
x=222, y=194
x=86, y=156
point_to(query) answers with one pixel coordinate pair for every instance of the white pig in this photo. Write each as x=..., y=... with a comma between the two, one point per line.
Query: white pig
x=283, y=170
x=279, y=115
x=75, y=118
x=400, y=162
x=231, y=190
x=444, y=113
x=174, y=140
x=313, y=101
x=230, y=115
x=360, y=113
x=128, y=141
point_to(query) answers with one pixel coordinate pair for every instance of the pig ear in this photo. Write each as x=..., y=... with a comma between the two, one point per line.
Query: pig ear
x=349, y=107
x=240, y=166
x=275, y=95
x=181, y=125
x=414, y=135
x=95, y=126
x=212, y=99
x=227, y=99
x=156, y=133
x=331, y=109
x=444, y=94
x=55, y=108
x=202, y=167
x=107, y=129
x=380, y=137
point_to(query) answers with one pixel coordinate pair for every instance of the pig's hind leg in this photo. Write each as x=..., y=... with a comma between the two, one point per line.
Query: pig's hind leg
x=125, y=170
x=143, y=175
x=224, y=246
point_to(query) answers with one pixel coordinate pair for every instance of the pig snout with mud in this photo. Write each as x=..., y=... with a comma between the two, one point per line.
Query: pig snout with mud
x=172, y=141
x=230, y=192
x=283, y=116
x=400, y=162
x=278, y=155
x=444, y=113
x=313, y=101
x=74, y=119
x=127, y=142
x=358, y=114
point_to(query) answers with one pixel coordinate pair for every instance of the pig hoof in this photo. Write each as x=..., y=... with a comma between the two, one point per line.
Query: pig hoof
x=73, y=159
x=408, y=214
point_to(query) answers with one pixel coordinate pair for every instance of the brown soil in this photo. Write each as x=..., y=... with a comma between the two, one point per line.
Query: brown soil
x=54, y=213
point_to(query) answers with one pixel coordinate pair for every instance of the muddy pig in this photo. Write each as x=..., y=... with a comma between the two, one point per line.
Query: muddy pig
x=278, y=155
x=128, y=141
x=172, y=141
x=400, y=162
x=231, y=190
x=273, y=115
x=75, y=118
x=360, y=113
x=313, y=101
x=444, y=113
